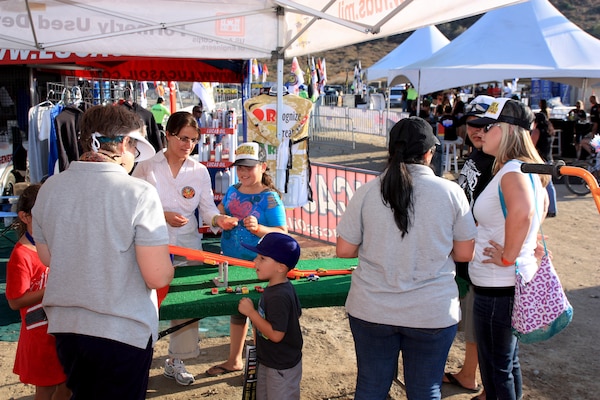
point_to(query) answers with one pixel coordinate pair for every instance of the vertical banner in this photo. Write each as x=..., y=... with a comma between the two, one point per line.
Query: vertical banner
x=250, y=371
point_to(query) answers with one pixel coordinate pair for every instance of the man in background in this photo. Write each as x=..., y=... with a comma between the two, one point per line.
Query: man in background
x=160, y=112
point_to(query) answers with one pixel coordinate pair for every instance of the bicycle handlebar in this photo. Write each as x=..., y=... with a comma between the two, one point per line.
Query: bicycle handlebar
x=558, y=169
x=544, y=169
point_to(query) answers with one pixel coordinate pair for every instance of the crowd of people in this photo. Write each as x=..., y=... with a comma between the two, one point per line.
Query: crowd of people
x=416, y=235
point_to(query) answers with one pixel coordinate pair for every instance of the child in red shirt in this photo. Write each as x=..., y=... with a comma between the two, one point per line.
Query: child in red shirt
x=36, y=361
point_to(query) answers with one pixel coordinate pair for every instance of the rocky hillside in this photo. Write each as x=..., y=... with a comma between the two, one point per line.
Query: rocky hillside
x=340, y=62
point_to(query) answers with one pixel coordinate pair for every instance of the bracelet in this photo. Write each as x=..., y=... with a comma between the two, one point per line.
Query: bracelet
x=507, y=263
x=214, y=220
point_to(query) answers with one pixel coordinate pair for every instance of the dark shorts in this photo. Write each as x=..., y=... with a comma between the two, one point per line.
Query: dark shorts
x=101, y=369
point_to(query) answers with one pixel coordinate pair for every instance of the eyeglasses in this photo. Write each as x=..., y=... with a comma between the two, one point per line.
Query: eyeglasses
x=134, y=142
x=487, y=128
x=476, y=127
x=186, y=140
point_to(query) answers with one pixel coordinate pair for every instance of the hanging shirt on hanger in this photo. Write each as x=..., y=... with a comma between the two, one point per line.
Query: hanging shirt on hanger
x=38, y=133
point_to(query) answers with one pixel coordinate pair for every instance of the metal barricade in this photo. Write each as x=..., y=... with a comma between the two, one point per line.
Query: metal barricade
x=332, y=186
x=338, y=131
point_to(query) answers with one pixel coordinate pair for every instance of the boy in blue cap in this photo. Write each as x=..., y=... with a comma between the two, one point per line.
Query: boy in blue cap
x=276, y=321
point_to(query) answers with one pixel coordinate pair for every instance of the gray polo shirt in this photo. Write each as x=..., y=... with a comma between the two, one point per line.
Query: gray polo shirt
x=407, y=281
x=91, y=216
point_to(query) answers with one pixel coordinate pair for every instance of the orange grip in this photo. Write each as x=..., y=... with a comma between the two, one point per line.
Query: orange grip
x=302, y=273
x=589, y=178
x=208, y=257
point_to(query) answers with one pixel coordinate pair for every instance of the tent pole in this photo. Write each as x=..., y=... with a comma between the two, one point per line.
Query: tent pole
x=281, y=155
x=246, y=94
x=172, y=97
x=37, y=45
x=583, y=90
x=419, y=94
x=279, y=95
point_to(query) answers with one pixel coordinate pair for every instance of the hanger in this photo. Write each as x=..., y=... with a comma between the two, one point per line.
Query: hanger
x=273, y=91
x=47, y=102
x=76, y=96
x=65, y=97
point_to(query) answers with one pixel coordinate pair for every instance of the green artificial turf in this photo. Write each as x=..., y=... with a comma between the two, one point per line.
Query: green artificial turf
x=190, y=293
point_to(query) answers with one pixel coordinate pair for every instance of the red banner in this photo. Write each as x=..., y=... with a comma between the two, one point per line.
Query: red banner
x=124, y=67
x=333, y=187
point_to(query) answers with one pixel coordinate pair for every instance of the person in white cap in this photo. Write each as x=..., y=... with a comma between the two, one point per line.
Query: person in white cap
x=509, y=212
x=256, y=203
x=104, y=237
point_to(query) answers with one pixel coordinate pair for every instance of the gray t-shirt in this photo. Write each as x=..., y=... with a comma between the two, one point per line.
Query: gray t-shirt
x=91, y=216
x=407, y=281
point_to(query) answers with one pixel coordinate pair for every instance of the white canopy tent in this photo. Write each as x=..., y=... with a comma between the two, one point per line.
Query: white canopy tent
x=527, y=40
x=218, y=29
x=420, y=45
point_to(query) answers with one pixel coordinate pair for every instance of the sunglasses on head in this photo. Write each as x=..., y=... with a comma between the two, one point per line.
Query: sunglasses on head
x=476, y=108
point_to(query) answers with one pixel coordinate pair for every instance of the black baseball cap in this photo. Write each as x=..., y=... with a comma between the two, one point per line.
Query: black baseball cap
x=414, y=135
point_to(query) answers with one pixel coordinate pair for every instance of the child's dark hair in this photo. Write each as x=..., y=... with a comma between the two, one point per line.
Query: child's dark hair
x=25, y=204
x=267, y=180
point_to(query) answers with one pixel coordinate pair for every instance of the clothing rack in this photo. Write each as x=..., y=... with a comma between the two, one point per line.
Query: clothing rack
x=91, y=91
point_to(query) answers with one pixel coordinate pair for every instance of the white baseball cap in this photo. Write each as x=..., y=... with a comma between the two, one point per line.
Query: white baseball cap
x=249, y=154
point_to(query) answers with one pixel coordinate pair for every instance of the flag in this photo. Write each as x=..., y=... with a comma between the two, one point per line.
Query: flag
x=322, y=67
x=254, y=69
x=265, y=72
x=296, y=77
x=313, y=88
x=357, y=81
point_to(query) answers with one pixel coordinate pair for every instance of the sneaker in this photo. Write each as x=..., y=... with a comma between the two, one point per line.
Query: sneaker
x=175, y=369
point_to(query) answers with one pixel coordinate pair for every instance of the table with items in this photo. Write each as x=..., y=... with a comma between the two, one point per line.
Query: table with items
x=194, y=292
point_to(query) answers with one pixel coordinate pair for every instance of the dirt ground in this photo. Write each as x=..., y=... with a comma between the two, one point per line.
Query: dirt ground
x=565, y=367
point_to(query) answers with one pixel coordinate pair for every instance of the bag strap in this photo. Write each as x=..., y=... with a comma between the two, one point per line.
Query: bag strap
x=503, y=205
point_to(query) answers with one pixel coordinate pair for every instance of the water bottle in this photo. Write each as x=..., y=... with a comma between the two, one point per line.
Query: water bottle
x=219, y=182
x=206, y=152
x=218, y=151
x=96, y=92
x=224, y=145
x=226, y=181
x=230, y=119
x=106, y=91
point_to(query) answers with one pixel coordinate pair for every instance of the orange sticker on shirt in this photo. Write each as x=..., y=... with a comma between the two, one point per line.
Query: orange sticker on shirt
x=188, y=192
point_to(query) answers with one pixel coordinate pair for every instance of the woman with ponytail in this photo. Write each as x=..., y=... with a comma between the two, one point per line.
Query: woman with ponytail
x=407, y=229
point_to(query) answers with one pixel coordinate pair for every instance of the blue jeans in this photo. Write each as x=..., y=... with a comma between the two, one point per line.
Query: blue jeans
x=424, y=353
x=436, y=162
x=497, y=347
x=552, y=197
